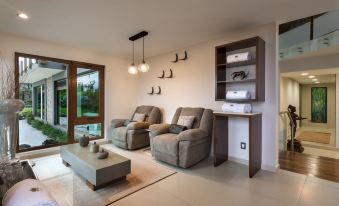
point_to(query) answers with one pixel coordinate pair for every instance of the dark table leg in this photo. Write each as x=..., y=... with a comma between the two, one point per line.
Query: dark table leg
x=255, y=141
x=220, y=138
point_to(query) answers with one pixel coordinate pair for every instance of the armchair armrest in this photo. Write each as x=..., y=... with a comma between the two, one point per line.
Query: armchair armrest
x=158, y=129
x=192, y=135
x=137, y=125
x=117, y=123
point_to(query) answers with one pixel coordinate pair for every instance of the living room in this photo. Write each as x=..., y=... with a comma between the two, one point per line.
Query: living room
x=76, y=59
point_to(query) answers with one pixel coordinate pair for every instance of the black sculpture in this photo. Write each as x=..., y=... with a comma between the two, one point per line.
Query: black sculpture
x=293, y=124
x=241, y=74
x=152, y=92
x=176, y=58
x=171, y=74
x=163, y=75
x=185, y=57
x=159, y=92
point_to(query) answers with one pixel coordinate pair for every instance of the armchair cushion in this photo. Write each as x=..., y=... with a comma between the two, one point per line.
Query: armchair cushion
x=158, y=129
x=192, y=135
x=137, y=125
x=117, y=123
x=127, y=121
x=166, y=143
x=176, y=129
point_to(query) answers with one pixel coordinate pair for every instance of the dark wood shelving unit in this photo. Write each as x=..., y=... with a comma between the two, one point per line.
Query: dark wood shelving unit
x=221, y=139
x=255, y=65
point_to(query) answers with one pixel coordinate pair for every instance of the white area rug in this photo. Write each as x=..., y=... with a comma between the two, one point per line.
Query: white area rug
x=70, y=189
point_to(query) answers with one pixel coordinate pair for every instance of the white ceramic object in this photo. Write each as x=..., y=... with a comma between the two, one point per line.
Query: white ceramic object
x=238, y=57
x=241, y=94
x=233, y=107
x=9, y=128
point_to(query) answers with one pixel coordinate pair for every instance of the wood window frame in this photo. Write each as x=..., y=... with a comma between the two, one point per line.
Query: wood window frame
x=71, y=88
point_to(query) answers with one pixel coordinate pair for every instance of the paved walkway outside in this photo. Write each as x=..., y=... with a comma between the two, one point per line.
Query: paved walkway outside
x=29, y=135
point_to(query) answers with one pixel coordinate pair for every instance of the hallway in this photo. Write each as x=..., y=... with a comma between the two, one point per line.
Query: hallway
x=321, y=167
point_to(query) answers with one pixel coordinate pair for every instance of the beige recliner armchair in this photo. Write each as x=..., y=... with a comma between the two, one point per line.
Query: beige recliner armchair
x=131, y=135
x=188, y=147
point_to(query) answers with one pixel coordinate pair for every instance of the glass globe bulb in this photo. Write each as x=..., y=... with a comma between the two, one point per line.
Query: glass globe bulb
x=143, y=67
x=132, y=69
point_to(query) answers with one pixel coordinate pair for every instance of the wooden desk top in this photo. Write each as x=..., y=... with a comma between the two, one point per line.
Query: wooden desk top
x=237, y=114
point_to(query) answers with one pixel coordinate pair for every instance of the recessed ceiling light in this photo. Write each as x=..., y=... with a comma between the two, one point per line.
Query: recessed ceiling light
x=22, y=15
x=304, y=74
x=314, y=80
x=311, y=77
x=317, y=82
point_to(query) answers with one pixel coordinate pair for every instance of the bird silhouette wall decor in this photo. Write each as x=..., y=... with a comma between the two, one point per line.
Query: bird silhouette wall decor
x=181, y=59
x=153, y=92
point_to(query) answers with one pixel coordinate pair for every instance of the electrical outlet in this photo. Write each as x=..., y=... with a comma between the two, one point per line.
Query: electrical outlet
x=242, y=145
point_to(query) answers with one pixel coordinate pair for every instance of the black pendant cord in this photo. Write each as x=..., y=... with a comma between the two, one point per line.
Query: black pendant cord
x=133, y=53
x=143, y=49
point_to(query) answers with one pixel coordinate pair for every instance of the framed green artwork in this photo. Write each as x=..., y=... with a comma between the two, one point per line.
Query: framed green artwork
x=319, y=104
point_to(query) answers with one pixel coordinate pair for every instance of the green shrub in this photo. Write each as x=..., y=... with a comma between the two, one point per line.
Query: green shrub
x=47, y=129
x=37, y=124
x=26, y=112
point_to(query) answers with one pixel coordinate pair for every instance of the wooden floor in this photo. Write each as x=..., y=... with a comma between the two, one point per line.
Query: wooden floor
x=321, y=167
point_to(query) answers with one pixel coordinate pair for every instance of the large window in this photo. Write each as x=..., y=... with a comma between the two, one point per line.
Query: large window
x=63, y=101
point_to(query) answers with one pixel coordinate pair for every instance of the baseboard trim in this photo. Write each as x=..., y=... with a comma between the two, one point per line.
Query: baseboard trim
x=269, y=168
x=238, y=160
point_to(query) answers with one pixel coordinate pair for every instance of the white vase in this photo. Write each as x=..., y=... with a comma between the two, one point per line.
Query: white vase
x=9, y=128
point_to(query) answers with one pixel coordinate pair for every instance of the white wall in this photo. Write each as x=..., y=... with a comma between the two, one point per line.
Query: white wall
x=194, y=85
x=306, y=105
x=323, y=61
x=120, y=87
x=289, y=95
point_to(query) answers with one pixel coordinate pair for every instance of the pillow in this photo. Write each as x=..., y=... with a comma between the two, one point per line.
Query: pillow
x=127, y=121
x=138, y=117
x=186, y=121
x=176, y=129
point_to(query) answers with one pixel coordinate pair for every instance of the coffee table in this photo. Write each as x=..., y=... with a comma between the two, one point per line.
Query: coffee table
x=97, y=172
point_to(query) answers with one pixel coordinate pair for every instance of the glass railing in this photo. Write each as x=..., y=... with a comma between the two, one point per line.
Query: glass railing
x=319, y=43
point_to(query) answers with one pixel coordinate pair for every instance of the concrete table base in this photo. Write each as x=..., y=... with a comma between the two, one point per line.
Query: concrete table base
x=98, y=173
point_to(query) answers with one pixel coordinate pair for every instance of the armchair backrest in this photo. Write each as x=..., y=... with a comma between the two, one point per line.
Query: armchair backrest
x=153, y=114
x=203, y=117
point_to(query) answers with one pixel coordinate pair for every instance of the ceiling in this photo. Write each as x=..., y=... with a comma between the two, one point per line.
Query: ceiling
x=172, y=24
x=322, y=75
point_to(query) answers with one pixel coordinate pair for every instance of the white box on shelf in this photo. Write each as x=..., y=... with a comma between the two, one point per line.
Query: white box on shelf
x=238, y=57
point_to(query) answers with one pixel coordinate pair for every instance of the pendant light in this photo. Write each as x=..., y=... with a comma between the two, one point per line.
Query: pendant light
x=143, y=67
x=133, y=69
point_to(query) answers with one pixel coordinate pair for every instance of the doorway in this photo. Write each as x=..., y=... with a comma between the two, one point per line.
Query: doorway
x=309, y=136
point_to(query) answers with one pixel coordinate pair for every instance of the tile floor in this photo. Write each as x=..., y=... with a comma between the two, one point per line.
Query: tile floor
x=228, y=184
